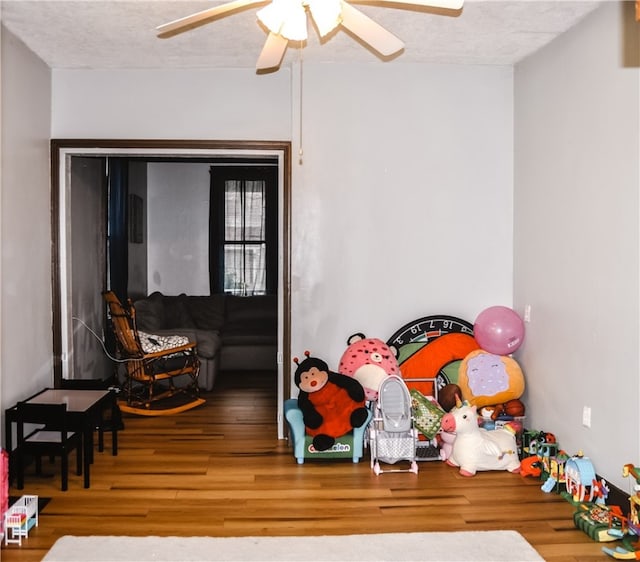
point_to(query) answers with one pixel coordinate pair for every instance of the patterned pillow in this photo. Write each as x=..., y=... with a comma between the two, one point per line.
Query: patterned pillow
x=153, y=343
x=427, y=414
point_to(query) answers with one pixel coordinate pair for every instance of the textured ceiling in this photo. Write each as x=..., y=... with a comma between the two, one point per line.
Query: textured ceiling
x=109, y=34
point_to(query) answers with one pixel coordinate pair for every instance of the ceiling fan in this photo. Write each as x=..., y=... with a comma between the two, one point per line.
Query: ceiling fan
x=286, y=21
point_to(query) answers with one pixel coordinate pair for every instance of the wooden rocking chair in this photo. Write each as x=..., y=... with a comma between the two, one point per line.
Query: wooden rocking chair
x=150, y=377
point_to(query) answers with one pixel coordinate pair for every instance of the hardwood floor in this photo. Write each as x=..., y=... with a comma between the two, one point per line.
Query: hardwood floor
x=219, y=470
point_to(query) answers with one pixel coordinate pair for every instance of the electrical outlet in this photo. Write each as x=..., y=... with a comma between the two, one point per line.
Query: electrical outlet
x=586, y=416
x=527, y=313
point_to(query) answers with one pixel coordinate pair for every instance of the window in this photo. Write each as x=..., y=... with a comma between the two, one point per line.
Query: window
x=243, y=224
x=245, y=245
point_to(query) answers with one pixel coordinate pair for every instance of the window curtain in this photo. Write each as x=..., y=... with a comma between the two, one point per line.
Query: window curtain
x=216, y=235
x=117, y=235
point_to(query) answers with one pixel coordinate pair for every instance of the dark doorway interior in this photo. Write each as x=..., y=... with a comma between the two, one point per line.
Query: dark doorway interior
x=124, y=239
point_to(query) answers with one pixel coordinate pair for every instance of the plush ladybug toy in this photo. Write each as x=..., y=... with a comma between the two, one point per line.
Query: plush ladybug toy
x=332, y=404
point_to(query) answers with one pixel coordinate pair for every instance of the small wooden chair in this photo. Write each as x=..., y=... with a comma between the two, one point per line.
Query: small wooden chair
x=51, y=438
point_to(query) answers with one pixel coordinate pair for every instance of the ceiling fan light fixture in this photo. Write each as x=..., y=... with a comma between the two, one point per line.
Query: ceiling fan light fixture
x=295, y=26
x=327, y=14
x=287, y=18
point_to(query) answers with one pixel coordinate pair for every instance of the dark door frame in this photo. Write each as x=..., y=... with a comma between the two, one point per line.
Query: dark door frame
x=61, y=149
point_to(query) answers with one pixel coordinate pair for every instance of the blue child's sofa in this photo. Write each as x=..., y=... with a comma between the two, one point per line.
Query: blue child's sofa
x=350, y=445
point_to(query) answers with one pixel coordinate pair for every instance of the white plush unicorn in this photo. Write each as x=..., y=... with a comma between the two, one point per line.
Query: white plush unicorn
x=475, y=448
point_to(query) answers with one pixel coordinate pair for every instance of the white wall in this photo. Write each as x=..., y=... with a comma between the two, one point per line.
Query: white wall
x=178, y=228
x=576, y=239
x=402, y=206
x=26, y=347
x=196, y=104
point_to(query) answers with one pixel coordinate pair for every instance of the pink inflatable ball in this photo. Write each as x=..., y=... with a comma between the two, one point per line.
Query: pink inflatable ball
x=499, y=330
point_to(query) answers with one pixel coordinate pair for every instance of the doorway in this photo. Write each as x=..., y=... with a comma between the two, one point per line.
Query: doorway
x=65, y=156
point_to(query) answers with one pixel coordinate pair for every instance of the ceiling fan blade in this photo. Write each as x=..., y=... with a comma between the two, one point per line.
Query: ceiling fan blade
x=272, y=52
x=447, y=4
x=200, y=18
x=373, y=34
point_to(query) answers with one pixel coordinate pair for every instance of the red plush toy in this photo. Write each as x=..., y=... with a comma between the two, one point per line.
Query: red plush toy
x=332, y=404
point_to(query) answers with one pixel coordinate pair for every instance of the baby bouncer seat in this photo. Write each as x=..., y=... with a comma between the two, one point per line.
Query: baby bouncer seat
x=392, y=434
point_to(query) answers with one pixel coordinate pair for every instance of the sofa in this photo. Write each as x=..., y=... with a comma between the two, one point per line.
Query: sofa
x=232, y=333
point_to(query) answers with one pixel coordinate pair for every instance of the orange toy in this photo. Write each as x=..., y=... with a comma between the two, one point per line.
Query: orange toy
x=488, y=379
x=427, y=362
x=531, y=466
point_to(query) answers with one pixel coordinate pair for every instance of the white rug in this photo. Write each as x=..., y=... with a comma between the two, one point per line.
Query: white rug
x=471, y=546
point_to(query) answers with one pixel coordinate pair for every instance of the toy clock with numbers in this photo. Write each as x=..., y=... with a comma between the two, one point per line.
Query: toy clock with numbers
x=432, y=348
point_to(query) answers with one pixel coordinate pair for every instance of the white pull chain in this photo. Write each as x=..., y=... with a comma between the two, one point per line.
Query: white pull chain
x=300, y=151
